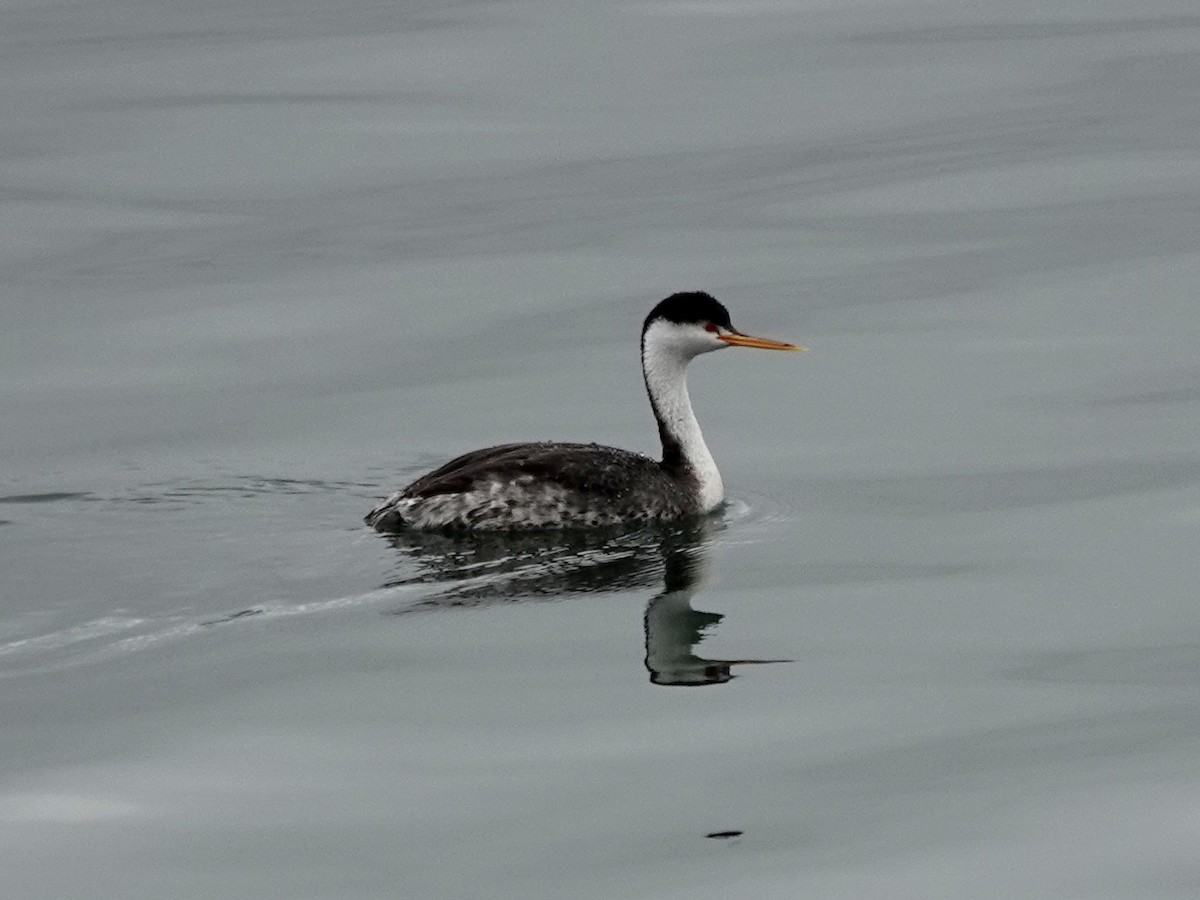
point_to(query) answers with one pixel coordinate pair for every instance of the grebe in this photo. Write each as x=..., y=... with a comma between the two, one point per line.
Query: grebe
x=557, y=485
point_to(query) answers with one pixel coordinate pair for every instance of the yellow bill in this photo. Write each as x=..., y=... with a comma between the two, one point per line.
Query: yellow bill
x=737, y=339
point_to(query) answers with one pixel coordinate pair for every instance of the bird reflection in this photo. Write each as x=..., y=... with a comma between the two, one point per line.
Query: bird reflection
x=673, y=628
x=473, y=570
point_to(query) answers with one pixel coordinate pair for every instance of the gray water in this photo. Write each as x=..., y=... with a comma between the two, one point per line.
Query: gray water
x=261, y=263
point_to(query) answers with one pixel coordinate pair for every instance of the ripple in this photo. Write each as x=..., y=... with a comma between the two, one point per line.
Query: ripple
x=111, y=637
x=473, y=569
x=104, y=627
x=755, y=511
x=242, y=486
x=46, y=497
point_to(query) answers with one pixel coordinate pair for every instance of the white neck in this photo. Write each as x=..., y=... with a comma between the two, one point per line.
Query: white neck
x=665, y=370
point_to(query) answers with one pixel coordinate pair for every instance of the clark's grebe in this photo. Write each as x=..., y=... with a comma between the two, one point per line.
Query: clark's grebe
x=556, y=485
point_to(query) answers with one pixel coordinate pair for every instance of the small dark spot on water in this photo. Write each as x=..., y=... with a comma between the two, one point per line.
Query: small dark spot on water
x=49, y=497
x=6, y=521
x=723, y=835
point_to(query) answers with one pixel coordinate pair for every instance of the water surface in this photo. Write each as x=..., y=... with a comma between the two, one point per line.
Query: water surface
x=261, y=264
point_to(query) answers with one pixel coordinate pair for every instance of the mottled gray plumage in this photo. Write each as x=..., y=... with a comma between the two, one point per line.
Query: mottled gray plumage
x=540, y=485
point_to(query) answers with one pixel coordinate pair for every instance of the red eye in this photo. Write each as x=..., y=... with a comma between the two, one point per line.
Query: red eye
x=710, y=327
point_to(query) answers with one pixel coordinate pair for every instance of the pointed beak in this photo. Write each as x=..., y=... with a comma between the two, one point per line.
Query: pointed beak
x=737, y=339
x=754, y=662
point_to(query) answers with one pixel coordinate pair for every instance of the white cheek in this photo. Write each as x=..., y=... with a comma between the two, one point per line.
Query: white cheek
x=681, y=341
x=706, y=342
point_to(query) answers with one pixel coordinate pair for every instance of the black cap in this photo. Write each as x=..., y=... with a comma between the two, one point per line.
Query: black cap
x=690, y=308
